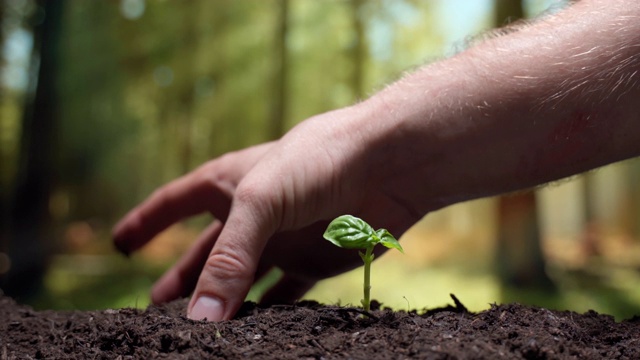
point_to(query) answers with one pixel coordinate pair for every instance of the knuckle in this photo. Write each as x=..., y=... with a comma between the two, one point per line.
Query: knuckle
x=208, y=182
x=160, y=195
x=227, y=266
x=215, y=176
x=256, y=194
x=248, y=193
x=220, y=165
x=259, y=201
x=209, y=170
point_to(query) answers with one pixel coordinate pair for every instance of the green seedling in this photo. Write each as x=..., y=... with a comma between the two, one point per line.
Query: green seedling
x=350, y=232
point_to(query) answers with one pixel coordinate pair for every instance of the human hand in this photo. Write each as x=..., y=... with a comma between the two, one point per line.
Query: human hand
x=271, y=203
x=475, y=125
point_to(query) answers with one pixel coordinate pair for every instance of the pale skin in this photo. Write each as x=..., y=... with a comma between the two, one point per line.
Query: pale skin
x=556, y=98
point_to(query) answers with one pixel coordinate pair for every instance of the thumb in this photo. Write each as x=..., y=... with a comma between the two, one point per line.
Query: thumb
x=230, y=268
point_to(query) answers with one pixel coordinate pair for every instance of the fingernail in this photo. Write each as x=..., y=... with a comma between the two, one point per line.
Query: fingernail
x=208, y=308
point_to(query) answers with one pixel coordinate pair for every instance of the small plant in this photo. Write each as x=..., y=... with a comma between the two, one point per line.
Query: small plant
x=350, y=232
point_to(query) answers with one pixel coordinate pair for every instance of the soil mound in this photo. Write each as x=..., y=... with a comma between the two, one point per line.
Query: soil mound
x=308, y=330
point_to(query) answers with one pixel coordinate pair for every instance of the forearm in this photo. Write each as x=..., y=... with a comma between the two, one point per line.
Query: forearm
x=554, y=99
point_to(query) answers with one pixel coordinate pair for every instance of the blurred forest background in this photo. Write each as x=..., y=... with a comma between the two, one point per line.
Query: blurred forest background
x=103, y=101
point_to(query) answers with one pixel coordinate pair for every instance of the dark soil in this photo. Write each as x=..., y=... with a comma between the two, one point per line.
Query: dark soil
x=309, y=330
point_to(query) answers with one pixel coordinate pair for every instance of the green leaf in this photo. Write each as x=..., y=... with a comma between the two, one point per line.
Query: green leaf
x=388, y=240
x=350, y=232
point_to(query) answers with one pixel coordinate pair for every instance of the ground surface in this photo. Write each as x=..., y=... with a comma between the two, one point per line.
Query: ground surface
x=312, y=331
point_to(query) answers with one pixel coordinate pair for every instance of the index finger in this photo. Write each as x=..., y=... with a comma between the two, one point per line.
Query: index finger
x=209, y=188
x=189, y=195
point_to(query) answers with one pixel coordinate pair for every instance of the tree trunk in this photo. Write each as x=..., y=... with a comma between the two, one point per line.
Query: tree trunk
x=29, y=218
x=519, y=255
x=520, y=261
x=508, y=11
x=280, y=58
x=187, y=96
x=4, y=208
x=358, y=49
x=3, y=12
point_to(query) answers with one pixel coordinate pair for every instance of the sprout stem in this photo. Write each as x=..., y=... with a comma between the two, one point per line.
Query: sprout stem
x=367, y=258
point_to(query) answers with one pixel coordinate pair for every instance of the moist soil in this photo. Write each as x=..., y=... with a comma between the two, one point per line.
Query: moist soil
x=308, y=330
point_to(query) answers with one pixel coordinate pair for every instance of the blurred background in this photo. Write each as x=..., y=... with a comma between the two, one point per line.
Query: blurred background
x=103, y=101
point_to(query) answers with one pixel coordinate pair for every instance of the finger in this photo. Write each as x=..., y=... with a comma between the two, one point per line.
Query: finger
x=181, y=279
x=189, y=195
x=229, y=271
x=209, y=188
x=287, y=290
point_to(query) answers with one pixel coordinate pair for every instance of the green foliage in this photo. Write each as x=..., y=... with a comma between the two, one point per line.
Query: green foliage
x=351, y=232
